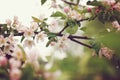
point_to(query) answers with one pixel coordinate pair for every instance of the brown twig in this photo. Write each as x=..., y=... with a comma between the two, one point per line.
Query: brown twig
x=70, y=3
x=86, y=45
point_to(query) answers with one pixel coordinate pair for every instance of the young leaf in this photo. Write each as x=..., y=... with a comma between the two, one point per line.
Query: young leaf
x=22, y=38
x=96, y=46
x=59, y=14
x=72, y=29
x=23, y=52
x=36, y=19
x=48, y=43
x=43, y=1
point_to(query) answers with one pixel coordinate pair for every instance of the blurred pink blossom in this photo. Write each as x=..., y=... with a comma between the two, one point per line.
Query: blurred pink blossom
x=3, y=61
x=15, y=74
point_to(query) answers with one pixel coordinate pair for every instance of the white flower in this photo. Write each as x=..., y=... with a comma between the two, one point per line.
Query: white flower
x=16, y=21
x=8, y=22
x=64, y=37
x=11, y=39
x=1, y=53
x=53, y=26
x=17, y=53
x=74, y=15
x=54, y=4
x=2, y=41
x=40, y=36
x=33, y=26
x=33, y=56
x=14, y=63
x=28, y=43
x=8, y=48
x=28, y=33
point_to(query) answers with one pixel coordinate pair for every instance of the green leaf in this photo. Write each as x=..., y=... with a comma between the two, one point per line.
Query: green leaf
x=48, y=43
x=51, y=35
x=59, y=14
x=96, y=46
x=23, y=52
x=83, y=28
x=94, y=3
x=72, y=29
x=36, y=19
x=111, y=40
x=43, y=1
x=28, y=69
x=23, y=37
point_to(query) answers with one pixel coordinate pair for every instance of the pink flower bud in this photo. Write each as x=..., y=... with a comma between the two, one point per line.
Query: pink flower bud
x=106, y=52
x=3, y=61
x=66, y=9
x=89, y=9
x=97, y=10
x=52, y=43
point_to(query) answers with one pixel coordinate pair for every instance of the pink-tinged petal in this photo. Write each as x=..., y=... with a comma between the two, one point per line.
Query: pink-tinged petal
x=3, y=61
x=15, y=74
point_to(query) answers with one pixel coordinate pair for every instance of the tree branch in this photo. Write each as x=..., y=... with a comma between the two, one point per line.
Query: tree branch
x=63, y=29
x=86, y=45
x=70, y=3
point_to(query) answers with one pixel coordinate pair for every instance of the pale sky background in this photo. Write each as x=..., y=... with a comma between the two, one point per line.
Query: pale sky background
x=24, y=9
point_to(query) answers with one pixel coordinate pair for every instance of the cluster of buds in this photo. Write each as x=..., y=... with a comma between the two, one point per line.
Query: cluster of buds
x=116, y=25
x=106, y=52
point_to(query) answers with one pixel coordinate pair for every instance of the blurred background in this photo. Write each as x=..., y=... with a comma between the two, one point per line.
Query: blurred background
x=76, y=63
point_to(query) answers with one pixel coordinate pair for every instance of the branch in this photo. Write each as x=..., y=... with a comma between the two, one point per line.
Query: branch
x=80, y=37
x=71, y=37
x=70, y=3
x=86, y=45
x=63, y=29
x=83, y=20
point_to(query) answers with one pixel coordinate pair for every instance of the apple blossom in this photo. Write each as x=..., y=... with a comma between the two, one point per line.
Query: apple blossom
x=52, y=43
x=21, y=28
x=117, y=6
x=33, y=56
x=109, y=2
x=40, y=36
x=74, y=15
x=3, y=61
x=67, y=9
x=53, y=25
x=8, y=48
x=17, y=53
x=1, y=53
x=28, y=43
x=2, y=41
x=16, y=21
x=115, y=24
x=14, y=63
x=106, y=52
x=53, y=4
x=33, y=26
x=8, y=22
x=15, y=74
x=28, y=33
